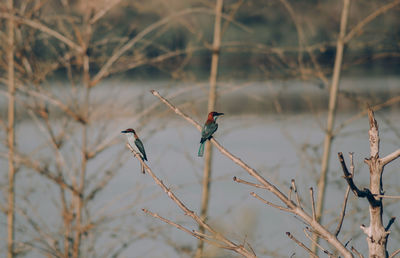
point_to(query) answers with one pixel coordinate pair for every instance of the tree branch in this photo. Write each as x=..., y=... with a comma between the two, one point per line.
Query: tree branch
x=180, y=227
x=391, y=221
x=389, y=158
x=301, y=244
x=358, y=28
x=357, y=252
x=43, y=28
x=238, y=180
x=271, y=204
x=312, y=203
x=318, y=245
x=349, y=178
x=346, y=196
x=394, y=253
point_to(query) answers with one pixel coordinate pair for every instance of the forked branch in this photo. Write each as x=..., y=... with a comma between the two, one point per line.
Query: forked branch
x=365, y=193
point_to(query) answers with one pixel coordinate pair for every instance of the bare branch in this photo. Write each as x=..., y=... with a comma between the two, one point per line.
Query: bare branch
x=318, y=245
x=356, y=252
x=301, y=245
x=359, y=27
x=296, y=193
x=238, y=180
x=366, y=193
x=43, y=28
x=343, y=213
x=346, y=196
x=386, y=196
x=389, y=158
x=312, y=203
x=106, y=67
x=103, y=11
x=387, y=103
x=180, y=227
x=271, y=204
x=395, y=253
x=194, y=233
x=391, y=221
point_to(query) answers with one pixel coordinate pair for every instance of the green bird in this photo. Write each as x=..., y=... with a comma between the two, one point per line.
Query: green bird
x=135, y=143
x=209, y=128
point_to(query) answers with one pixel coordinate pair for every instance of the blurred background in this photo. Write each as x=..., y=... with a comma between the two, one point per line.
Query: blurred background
x=76, y=73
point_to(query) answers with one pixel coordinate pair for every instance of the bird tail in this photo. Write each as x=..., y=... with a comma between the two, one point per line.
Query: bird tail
x=201, y=150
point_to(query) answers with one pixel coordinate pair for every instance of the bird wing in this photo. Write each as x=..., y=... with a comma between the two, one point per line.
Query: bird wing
x=208, y=131
x=140, y=146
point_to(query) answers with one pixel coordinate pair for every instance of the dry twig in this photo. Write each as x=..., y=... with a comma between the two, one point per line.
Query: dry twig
x=301, y=244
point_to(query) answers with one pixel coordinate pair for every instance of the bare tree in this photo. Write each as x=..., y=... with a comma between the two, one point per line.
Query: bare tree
x=377, y=234
x=66, y=116
x=11, y=135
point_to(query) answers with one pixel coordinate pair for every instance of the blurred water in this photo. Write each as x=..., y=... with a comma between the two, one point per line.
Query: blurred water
x=280, y=147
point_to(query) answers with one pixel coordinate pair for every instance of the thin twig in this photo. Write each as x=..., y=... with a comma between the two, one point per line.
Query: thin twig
x=105, y=69
x=193, y=233
x=357, y=252
x=296, y=193
x=290, y=193
x=349, y=178
x=39, y=26
x=346, y=197
x=238, y=180
x=318, y=245
x=271, y=204
x=301, y=245
x=343, y=213
x=391, y=221
x=155, y=215
x=359, y=27
x=387, y=196
x=312, y=203
x=395, y=253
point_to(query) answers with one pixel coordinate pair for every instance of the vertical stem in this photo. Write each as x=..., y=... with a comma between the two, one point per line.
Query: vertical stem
x=331, y=114
x=84, y=151
x=377, y=236
x=11, y=135
x=79, y=199
x=211, y=106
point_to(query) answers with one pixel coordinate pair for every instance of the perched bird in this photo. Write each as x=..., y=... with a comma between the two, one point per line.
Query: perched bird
x=209, y=128
x=135, y=143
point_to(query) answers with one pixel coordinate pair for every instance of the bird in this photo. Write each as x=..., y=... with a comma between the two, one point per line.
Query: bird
x=209, y=128
x=134, y=141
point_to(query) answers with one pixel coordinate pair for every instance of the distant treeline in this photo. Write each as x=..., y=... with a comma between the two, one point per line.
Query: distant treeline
x=259, y=38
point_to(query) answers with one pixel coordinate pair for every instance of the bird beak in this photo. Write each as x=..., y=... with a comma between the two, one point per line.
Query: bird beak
x=124, y=131
x=220, y=114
